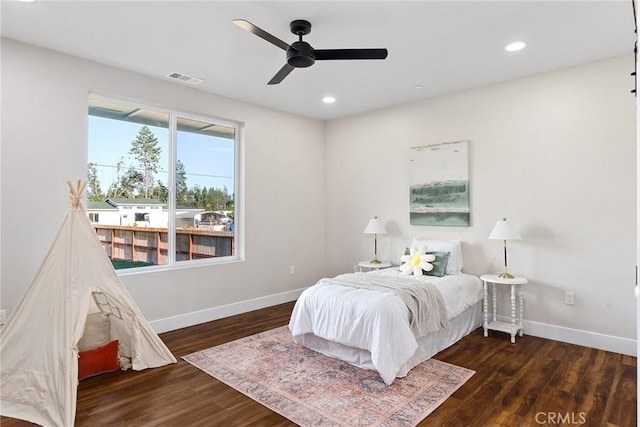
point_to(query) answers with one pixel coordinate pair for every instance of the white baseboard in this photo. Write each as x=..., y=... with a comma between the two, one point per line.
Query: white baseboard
x=209, y=314
x=583, y=338
x=536, y=329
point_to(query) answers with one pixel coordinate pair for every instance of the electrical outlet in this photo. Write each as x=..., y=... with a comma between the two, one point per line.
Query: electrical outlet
x=569, y=298
x=292, y=270
x=3, y=316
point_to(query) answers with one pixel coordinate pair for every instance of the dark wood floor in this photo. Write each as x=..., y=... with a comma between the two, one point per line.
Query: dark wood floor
x=531, y=383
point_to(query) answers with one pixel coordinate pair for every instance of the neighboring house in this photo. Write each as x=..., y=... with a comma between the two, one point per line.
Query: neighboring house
x=138, y=212
x=103, y=213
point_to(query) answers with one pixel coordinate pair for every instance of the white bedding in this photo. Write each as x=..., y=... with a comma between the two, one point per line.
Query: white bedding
x=377, y=322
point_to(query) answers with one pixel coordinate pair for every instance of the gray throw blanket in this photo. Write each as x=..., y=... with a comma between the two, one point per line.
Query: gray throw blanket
x=424, y=301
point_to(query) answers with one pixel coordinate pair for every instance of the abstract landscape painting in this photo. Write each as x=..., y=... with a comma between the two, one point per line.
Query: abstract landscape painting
x=439, y=184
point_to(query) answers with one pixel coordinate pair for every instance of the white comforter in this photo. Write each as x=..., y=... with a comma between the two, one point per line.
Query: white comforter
x=374, y=321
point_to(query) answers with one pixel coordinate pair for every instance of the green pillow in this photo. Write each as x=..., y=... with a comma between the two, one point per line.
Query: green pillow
x=439, y=264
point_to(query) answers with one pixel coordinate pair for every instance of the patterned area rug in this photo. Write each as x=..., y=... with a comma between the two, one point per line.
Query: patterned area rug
x=311, y=389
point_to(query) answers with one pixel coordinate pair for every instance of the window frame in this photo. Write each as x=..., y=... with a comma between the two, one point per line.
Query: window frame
x=238, y=184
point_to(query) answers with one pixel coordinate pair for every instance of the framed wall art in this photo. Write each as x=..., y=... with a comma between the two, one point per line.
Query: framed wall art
x=439, y=184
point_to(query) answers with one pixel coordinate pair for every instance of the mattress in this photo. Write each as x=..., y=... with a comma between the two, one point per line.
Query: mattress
x=370, y=329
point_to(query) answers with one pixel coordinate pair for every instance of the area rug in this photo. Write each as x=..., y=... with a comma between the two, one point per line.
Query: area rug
x=311, y=389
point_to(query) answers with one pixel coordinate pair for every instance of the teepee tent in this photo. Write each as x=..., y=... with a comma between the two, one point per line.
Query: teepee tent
x=39, y=343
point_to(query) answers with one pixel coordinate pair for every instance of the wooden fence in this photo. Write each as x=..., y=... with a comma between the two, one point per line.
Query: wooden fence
x=150, y=244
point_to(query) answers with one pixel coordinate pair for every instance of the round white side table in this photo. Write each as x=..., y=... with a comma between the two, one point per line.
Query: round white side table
x=368, y=266
x=491, y=322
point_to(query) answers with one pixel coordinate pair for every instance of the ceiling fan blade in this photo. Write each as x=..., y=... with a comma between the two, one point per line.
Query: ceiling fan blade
x=280, y=75
x=246, y=25
x=327, y=54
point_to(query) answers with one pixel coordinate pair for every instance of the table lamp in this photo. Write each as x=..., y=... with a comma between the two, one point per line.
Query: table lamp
x=503, y=231
x=375, y=227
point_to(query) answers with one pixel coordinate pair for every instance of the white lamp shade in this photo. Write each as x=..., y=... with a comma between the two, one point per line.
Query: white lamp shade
x=375, y=226
x=503, y=231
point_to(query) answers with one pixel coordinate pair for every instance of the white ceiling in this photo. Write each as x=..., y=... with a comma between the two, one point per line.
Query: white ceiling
x=445, y=46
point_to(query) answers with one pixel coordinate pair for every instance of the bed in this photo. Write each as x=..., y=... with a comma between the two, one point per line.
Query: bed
x=375, y=330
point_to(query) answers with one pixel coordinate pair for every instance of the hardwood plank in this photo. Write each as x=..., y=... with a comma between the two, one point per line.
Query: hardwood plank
x=592, y=394
x=513, y=383
x=521, y=397
x=621, y=407
x=571, y=370
x=499, y=418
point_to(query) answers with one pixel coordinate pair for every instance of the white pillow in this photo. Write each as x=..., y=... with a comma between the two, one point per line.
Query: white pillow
x=96, y=332
x=454, y=247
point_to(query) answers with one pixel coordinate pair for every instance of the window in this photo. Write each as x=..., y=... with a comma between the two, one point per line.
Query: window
x=142, y=217
x=170, y=180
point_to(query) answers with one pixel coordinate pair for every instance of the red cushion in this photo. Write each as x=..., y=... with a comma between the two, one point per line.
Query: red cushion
x=98, y=360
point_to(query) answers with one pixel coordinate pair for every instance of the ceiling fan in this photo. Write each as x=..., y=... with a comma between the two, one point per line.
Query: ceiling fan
x=300, y=54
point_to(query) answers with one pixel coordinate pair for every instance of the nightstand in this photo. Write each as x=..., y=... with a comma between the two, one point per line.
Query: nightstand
x=491, y=321
x=368, y=266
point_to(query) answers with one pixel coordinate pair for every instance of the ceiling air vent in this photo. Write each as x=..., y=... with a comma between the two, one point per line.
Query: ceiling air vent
x=183, y=78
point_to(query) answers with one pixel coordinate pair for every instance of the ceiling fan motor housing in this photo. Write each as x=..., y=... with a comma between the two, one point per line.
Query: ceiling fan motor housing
x=301, y=55
x=300, y=27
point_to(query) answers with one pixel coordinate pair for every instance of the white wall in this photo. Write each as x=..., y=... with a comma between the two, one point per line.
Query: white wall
x=44, y=143
x=555, y=154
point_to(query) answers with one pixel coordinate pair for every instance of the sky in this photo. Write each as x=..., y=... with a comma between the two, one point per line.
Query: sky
x=208, y=160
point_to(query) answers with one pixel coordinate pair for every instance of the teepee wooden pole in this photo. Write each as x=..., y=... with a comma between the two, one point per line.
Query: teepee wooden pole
x=76, y=194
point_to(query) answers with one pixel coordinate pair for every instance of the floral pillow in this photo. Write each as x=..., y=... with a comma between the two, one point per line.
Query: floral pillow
x=438, y=264
x=417, y=261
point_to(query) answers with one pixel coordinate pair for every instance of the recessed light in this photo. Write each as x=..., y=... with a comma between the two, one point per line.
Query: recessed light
x=515, y=46
x=418, y=87
x=329, y=99
x=28, y=1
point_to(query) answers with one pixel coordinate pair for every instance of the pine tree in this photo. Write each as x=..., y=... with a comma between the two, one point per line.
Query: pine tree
x=94, y=192
x=129, y=184
x=181, y=184
x=160, y=192
x=145, y=150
